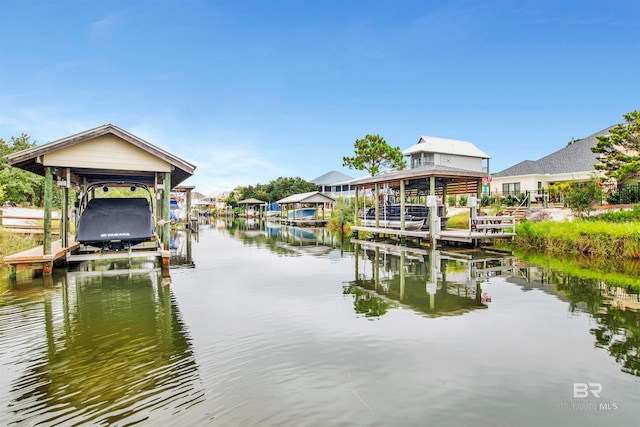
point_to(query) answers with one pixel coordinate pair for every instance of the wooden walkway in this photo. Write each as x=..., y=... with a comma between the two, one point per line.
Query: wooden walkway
x=35, y=259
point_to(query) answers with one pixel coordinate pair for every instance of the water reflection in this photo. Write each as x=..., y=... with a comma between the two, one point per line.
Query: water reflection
x=288, y=240
x=615, y=311
x=434, y=283
x=180, y=246
x=105, y=346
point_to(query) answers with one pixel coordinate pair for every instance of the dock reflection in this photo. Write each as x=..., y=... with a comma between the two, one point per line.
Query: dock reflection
x=287, y=240
x=432, y=282
x=114, y=349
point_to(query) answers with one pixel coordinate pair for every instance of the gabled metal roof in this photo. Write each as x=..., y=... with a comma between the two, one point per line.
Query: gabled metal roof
x=432, y=144
x=332, y=178
x=311, y=197
x=30, y=159
x=251, y=202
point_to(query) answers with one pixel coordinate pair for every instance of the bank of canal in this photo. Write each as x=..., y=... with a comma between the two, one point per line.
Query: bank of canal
x=284, y=326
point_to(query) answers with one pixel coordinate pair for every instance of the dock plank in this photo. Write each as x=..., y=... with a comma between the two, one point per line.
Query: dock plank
x=35, y=255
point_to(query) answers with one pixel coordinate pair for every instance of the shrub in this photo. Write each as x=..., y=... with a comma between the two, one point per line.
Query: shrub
x=463, y=200
x=583, y=196
x=629, y=194
x=451, y=201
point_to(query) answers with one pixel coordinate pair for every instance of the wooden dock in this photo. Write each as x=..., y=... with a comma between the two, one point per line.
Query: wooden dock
x=486, y=227
x=36, y=259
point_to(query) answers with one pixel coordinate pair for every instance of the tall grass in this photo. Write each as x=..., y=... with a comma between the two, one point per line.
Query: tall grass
x=593, y=238
x=11, y=243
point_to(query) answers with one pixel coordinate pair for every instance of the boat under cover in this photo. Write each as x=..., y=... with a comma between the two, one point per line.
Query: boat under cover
x=416, y=217
x=303, y=213
x=115, y=223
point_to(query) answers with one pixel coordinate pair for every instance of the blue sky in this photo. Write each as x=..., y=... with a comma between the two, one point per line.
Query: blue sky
x=252, y=90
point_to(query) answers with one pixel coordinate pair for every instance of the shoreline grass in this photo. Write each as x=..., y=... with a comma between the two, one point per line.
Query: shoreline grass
x=591, y=238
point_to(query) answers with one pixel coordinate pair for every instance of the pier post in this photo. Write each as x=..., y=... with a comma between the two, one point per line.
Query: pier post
x=48, y=200
x=434, y=220
x=377, y=196
x=166, y=212
x=473, y=216
x=355, y=209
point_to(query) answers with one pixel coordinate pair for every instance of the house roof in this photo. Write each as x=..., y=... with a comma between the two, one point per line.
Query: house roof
x=573, y=158
x=251, y=202
x=311, y=197
x=30, y=159
x=331, y=178
x=432, y=144
x=419, y=173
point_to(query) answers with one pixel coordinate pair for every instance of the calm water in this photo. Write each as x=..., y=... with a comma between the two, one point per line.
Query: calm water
x=278, y=326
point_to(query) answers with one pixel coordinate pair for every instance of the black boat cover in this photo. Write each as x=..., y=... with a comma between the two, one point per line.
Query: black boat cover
x=115, y=219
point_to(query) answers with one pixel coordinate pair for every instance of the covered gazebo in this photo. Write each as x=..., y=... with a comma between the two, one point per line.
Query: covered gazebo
x=252, y=206
x=298, y=201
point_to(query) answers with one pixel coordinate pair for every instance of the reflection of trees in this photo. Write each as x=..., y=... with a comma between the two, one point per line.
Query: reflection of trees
x=618, y=330
x=287, y=240
x=116, y=351
x=366, y=303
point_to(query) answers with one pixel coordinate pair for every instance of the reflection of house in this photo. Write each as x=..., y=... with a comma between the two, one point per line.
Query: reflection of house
x=335, y=184
x=575, y=162
x=430, y=151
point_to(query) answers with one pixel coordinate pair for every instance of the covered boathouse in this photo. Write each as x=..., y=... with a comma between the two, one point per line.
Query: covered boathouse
x=105, y=153
x=418, y=184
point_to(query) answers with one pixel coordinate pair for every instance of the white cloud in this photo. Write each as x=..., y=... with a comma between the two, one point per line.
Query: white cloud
x=104, y=26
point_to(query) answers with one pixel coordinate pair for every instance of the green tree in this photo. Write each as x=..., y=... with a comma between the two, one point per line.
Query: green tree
x=371, y=153
x=20, y=186
x=284, y=187
x=583, y=196
x=275, y=189
x=620, y=149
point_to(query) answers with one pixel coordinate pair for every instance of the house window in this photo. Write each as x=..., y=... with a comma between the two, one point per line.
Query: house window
x=512, y=188
x=444, y=159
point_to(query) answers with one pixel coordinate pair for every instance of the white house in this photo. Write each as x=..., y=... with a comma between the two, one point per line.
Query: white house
x=335, y=184
x=575, y=162
x=433, y=151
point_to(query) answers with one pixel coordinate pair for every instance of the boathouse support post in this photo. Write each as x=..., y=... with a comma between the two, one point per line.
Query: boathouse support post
x=434, y=220
x=48, y=200
x=355, y=211
x=188, y=208
x=377, y=196
x=166, y=200
x=64, y=217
